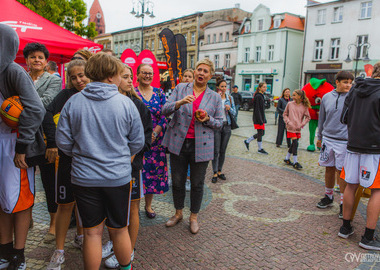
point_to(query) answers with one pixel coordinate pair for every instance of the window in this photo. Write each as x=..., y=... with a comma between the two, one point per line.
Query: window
x=228, y=36
x=260, y=25
x=258, y=54
x=363, y=48
x=216, y=61
x=321, y=17
x=318, y=50
x=192, y=61
x=192, y=37
x=147, y=45
x=335, y=46
x=185, y=36
x=227, y=60
x=270, y=52
x=338, y=14
x=207, y=56
x=152, y=44
x=214, y=38
x=208, y=39
x=247, y=27
x=247, y=53
x=277, y=23
x=365, y=10
x=221, y=37
x=116, y=48
x=160, y=44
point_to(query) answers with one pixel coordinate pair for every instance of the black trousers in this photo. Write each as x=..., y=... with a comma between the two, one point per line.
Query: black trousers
x=179, y=165
x=221, y=138
x=280, y=132
x=48, y=182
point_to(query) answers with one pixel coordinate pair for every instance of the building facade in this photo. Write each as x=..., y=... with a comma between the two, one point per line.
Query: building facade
x=97, y=17
x=337, y=31
x=270, y=50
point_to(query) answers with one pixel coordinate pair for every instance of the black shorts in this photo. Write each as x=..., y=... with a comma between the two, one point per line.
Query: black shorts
x=96, y=204
x=63, y=189
x=137, y=186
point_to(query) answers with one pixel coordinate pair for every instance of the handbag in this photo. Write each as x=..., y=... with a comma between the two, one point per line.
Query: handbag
x=234, y=125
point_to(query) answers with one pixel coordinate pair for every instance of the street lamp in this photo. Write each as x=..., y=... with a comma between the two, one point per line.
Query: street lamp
x=357, y=55
x=142, y=7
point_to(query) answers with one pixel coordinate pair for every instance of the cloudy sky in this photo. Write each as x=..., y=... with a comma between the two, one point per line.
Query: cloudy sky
x=118, y=17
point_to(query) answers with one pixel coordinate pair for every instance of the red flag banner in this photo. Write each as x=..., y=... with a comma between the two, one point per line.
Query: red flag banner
x=129, y=57
x=147, y=57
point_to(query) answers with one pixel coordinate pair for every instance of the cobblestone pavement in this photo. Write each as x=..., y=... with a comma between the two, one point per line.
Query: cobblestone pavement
x=263, y=217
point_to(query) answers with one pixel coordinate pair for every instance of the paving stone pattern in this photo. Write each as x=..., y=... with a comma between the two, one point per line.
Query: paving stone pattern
x=262, y=217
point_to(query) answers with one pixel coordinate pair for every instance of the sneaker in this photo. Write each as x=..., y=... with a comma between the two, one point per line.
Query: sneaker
x=325, y=202
x=107, y=249
x=345, y=232
x=262, y=151
x=112, y=262
x=17, y=262
x=288, y=162
x=246, y=144
x=297, y=166
x=132, y=255
x=214, y=179
x=78, y=241
x=337, y=188
x=341, y=211
x=56, y=260
x=222, y=176
x=188, y=185
x=4, y=263
x=373, y=244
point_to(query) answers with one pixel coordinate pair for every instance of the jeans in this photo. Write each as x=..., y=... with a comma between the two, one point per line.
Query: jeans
x=237, y=107
x=179, y=165
x=221, y=138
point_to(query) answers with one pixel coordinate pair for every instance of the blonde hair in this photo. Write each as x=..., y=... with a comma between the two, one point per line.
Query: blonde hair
x=70, y=66
x=132, y=92
x=304, y=100
x=84, y=53
x=206, y=62
x=189, y=70
x=102, y=66
x=376, y=71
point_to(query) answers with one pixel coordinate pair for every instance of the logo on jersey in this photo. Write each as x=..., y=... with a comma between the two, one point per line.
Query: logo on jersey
x=324, y=156
x=365, y=174
x=134, y=183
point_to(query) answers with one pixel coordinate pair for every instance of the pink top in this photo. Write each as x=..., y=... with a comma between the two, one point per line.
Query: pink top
x=296, y=116
x=191, y=131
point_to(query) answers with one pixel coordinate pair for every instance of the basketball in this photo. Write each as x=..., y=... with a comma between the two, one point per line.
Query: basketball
x=10, y=111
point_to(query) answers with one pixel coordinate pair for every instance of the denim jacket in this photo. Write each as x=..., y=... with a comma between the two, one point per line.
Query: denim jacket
x=230, y=99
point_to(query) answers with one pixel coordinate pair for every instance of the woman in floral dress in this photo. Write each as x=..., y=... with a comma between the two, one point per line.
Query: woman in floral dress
x=155, y=171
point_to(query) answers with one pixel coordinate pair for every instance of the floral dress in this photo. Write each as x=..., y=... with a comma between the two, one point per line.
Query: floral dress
x=155, y=170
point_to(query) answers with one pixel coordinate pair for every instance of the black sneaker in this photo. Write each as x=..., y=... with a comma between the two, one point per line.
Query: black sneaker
x=222, y=176
x=297, y=166
x=325, y=202
x=373, y=244
x=341, y=211
x=214, y=179
x=262, y=151
x=246, y=144
x=288, y=162
x=17, y=262
x=345, y=232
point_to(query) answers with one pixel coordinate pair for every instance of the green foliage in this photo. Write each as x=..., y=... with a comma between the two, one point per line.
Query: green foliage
x=69, y=14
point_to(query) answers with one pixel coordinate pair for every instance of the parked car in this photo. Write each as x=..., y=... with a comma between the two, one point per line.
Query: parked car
x=248, y=100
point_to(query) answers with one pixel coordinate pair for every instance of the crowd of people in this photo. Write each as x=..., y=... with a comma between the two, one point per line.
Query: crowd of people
x=101, y=146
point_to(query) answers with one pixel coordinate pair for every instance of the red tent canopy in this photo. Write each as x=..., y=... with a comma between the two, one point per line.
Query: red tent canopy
x=31, y=27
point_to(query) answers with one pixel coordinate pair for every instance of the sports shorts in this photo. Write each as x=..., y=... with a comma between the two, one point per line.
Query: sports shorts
x=96, y=204
x=137, y=191
x=362, y=169
x=16, y=185
x=63, y=189
x=333, y=153
x=293, y=135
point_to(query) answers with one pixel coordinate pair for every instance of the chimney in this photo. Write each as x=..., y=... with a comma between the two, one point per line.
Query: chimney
x=237, y=5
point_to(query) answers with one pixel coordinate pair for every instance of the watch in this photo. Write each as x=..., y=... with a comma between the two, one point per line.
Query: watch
x=155, y=134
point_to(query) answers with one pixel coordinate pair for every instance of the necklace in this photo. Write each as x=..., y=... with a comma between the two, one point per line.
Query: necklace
x=142, y=92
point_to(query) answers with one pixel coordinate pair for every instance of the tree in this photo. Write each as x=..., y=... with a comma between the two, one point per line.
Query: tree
x=69, y=14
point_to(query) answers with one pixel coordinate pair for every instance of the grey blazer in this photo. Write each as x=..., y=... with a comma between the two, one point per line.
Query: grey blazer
x=48, y=86
x=179, y=125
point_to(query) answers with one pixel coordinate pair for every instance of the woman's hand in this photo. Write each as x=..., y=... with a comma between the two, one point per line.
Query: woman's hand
x=204, y=119
x=156, y=131
x=319, y=144
x=228, y=107
x=185, y=100
x=51, y=154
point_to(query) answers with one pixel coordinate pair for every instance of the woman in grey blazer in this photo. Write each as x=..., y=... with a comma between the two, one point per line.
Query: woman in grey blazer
x=190, y=139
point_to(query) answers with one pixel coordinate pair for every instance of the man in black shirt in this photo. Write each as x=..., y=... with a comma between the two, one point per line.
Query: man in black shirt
x=237, y=99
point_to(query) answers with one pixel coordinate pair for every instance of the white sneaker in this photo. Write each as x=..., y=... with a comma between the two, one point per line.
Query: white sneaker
x=132, y=255
x=107, y=249
x=56, y=260
x=78, y=241
x=112, y=262
x=188, y=185
x=4, y=263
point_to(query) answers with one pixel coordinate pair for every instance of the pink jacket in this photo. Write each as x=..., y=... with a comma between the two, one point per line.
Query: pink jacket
x=296, y=116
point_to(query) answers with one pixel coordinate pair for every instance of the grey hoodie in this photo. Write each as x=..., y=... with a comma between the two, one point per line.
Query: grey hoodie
x=329, y=124
x=14, y=81
x=101, y=129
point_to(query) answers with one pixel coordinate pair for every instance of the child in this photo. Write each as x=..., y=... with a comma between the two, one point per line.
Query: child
x=101, y=129
x=259, y=119
x=332, y=137
x=296, y=116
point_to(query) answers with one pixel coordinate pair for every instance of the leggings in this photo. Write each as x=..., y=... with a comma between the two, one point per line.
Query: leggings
x=293, y=147
x=259, y=135
x=48, y=182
